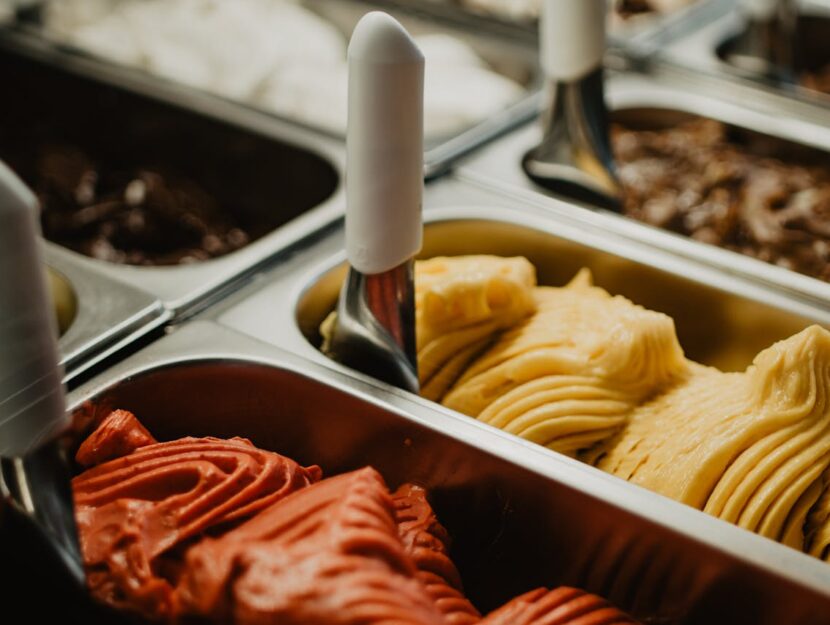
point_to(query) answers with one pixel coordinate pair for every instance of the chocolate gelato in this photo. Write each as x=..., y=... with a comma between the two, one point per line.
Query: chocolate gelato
x=211, y=530
x=138, y=216
x=127, y=178
x=701, y=180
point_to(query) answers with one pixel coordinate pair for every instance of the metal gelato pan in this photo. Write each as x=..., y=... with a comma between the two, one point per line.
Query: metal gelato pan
x=640, y=33
x=307, y=87
x=786, y=127
x=96, y=314
x=274, y=181
x=519, y=516
x=720, y=48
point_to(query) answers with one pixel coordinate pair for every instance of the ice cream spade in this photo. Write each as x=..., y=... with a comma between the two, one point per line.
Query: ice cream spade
x=574, y=158
x=374, y=330
x=34, y=472
x=766, y=46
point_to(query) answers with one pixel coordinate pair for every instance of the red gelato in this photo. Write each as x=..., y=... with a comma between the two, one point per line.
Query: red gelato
x=212, y=530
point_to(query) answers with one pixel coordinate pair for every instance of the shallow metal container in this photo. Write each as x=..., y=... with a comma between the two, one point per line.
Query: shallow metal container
x=652, y=101
x=255, y=165
x=512, y=58
x=519, y=515
x=705, y=49
x=107, y=315
x=639, y=34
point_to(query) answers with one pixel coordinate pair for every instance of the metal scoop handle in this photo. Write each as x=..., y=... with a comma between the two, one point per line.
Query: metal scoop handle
x=575, y=157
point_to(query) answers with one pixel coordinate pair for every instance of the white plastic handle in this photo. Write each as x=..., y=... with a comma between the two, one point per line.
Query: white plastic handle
x=32, y=408
x=384, y=145
x=760, y=9
x=572, y=34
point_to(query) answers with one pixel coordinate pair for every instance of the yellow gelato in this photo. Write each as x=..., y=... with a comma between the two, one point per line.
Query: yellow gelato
x=596, y=376
x=749, y=447
x=568, y=376
x=461, y=303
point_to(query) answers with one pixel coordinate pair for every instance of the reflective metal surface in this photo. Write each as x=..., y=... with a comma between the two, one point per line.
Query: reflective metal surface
x=520, y=516
x=641, y=33
x=374, y=331
x=772, y=57
x=37, y=485
x=293, y=189
x=574, y=158
x=107, y=315
x=655, y=100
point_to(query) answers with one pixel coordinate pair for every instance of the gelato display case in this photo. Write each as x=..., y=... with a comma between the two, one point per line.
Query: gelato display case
x=628, y=403
x=519, y=517
x=711, y=321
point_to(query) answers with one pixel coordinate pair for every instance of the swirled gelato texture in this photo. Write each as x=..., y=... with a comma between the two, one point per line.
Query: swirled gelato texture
x=147, y=500
x=212, y=530
x=743, y=193
x=600, y=378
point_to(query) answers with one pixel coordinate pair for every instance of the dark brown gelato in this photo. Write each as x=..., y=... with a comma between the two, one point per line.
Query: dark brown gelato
x=141, y=216
x=202, y=530
x=697, y=180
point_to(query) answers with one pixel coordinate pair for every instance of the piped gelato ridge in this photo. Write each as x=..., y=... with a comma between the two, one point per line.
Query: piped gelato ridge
x=133, y=511
x=561, y=605
x=214, y=530
x=426, y=542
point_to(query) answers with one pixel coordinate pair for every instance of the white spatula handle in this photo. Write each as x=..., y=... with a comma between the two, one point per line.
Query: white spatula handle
x=572, y=34
x=31, y=396
x=385, y=145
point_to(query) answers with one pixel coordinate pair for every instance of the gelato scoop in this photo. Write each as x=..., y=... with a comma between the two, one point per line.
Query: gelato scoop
x=698, y=180
x=597, y=377
x=213, y=530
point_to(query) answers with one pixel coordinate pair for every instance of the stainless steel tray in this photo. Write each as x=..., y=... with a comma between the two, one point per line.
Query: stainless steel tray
x=702, y=49
x=510, y=57
x=721, y=319
x=297, y=183
x=498, y=167
x=108, y=314
x=520, y=516
x=642, y=35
